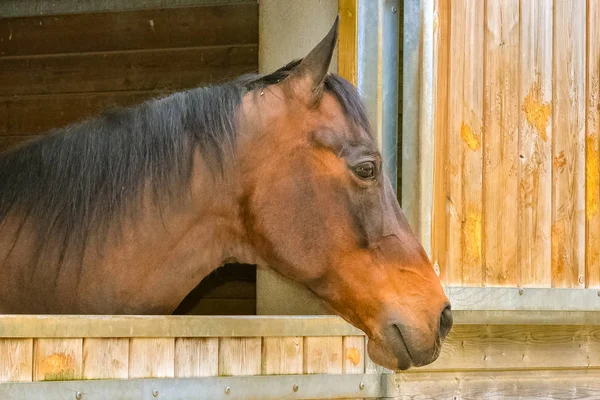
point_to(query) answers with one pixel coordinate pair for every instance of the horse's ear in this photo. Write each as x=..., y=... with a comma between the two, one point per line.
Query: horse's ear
x=313, y=69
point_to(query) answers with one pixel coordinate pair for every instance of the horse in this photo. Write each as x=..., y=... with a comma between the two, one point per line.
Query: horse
x=126, y=212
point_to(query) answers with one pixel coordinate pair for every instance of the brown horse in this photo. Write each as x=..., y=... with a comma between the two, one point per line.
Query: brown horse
x=127, y=212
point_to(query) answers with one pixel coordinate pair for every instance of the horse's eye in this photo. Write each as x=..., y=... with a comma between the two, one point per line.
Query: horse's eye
x=365, y=170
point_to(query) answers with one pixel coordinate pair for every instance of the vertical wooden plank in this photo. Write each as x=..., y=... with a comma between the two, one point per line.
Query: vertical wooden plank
x=568, y=169
x=16, y=360
x=592, y=169
x=196, y=357
x=442, y=49
x=535, y=145
x=282, y=355
x=348, y=40
x=354, y=354
x=323, y=355
x=240, y=356
x=500, y=142
x=151, y=358
x=105, y=358
x=57, y=359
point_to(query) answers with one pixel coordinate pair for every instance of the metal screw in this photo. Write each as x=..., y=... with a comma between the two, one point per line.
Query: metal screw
x=227, y=390
x=521, y=291
x=598, y=293
x=295, y=388
x=78, y=395
x=361, y=386
x=581, y=280
x=394, y=10
x=155, y=393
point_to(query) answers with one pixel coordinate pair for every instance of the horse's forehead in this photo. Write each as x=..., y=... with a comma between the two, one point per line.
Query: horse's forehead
x=332, y=112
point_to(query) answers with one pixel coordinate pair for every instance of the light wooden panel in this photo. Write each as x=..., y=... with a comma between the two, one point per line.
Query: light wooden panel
x=57, y=359
x=196, y=357
x=282, y=355
x=152, y=358
x=348, y=40
x=214, y=25
x=354, y=354
x=105, y=358
x=323, y=355
x=592, y=143
x=240, y=356
x=535, y=145
x=16, y=360
x=483, y=347
x=439, y=236
x=500, y=142
x=568, y=216
x=500, y=385
x=465, y=143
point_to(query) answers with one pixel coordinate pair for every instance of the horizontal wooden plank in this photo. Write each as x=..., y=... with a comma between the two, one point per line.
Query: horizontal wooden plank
x=125, y=71
x=22, y=8
x=522, y=385
x=477, y=347
x=78, y=326
x=34, y=115
x=214, y=25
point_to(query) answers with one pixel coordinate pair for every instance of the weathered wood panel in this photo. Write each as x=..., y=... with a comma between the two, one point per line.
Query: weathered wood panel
x=500, y=143
x=240, y=356
x=16, y=360
x=282, y=355
x=196, y=357
x=213, y=25
x=57, y=359
x=348, y=40
x=535, y=145
x=323, y=355
x=105, y=358
x=592, y=143
x=125, y=71
x=152, y=358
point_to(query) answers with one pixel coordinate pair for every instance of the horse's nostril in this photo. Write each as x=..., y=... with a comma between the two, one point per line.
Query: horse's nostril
x=445, y=321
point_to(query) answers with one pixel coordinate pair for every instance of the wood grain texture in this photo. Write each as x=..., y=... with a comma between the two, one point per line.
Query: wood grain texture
x=213, y=25
x=442, y=57
x=323, y=355
x=196, y=357
x=240, y=356
x=34, y=115
x=151, y=358
x=105, y=358
x=16, y=360
x=354, y=354
x=568, y=197
x=348, y=40
x=487, y=347
x=125, y=71
x=501, y=385
x=592, y=143
x=500, y=142
x=282, y=355
x=57, y=359
x=464, y=152
x=535, y=145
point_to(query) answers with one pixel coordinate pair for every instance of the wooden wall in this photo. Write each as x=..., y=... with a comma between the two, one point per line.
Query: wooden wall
x=59, y=69
x=517, y=190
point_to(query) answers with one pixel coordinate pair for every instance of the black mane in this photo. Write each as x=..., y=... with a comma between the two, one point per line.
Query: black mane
x=80, y=178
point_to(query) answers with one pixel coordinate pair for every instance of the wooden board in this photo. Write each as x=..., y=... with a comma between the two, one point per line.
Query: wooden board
x=348, y=40
x=240, y=356
x=535, y=145
x=125, y=71
x=16, y=360
x=214, y=25
x=487, y=347
x=196, y=357
x=152, y=358
x=323, y=355
x=282, y=355
x=500, y=142
x=528, y=385
x=354, y=354
x=592, y=143
x=105, y=358
x=57, y=359
x=568, y=167
x=464, y=200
